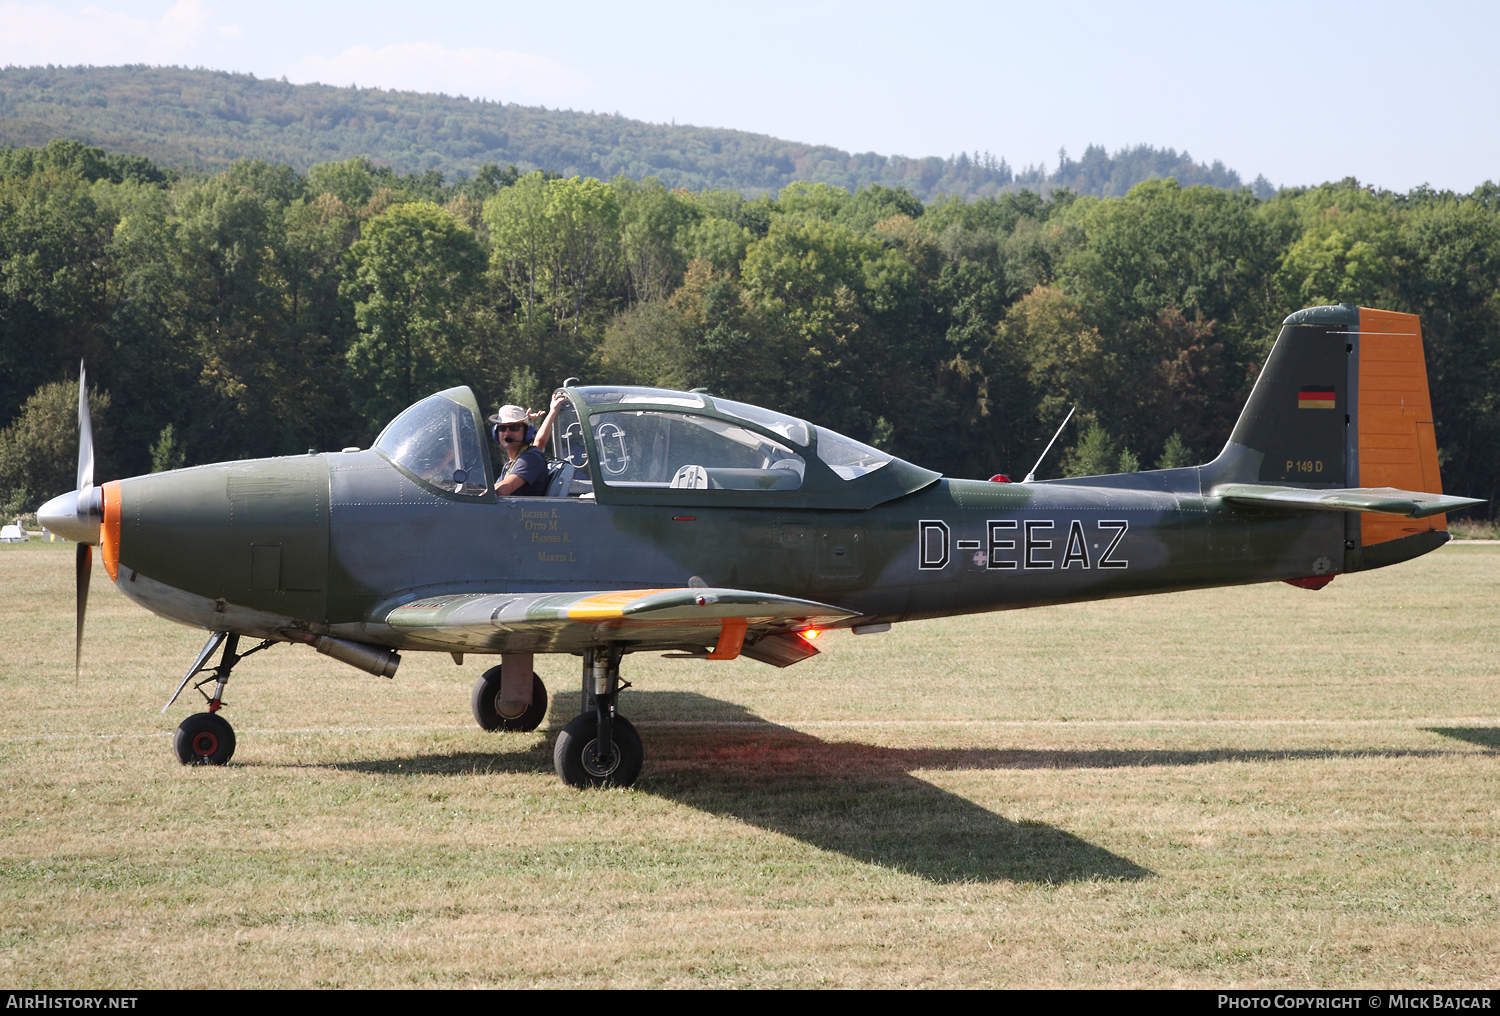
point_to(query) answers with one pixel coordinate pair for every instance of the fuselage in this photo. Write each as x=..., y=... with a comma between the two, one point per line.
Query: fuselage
x=331, y=542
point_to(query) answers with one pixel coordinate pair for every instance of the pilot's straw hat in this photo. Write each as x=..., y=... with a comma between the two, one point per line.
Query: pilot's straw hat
x=509, y=414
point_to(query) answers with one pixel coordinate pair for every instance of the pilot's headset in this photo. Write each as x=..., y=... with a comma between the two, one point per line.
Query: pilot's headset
x=494, y=433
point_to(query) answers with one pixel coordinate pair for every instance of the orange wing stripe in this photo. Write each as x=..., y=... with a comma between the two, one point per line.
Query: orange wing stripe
x=608, y=604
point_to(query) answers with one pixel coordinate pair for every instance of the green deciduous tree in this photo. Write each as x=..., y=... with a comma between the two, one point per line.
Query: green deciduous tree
x=409, y=277
x=39, y=449
x=651, y=217
x=522, y=242
x=583, y=218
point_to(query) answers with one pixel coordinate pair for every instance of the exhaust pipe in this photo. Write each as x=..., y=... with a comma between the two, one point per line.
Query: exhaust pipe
x=371, y=659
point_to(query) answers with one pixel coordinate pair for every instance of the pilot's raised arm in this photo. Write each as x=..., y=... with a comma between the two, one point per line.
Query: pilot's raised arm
x=526, y=467
x=544, y=429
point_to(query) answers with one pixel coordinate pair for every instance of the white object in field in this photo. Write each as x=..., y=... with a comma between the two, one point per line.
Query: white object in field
x=13, y=534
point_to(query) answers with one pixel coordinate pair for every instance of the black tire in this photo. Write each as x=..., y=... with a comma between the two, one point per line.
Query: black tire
x=485, y=698
x=573, y=753
x=204, y=739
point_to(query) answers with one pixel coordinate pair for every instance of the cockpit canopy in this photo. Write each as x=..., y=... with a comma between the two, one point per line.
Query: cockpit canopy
x=651, y=445
x=641, y=447
x=656, y=446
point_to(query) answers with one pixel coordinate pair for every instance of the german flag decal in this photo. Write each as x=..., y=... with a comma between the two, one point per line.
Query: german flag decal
x=1315, y=397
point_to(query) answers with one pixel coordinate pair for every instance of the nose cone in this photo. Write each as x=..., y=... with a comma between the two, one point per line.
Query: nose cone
x=61, y=515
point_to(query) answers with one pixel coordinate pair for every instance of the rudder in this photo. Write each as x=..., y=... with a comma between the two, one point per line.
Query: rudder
x=1394, y=438
x=1343, y=402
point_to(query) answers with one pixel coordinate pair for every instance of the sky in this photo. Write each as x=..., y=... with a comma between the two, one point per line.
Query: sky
x=1396, y=95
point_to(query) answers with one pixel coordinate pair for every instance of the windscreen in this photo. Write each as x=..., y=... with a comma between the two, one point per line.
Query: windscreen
x=436, y=440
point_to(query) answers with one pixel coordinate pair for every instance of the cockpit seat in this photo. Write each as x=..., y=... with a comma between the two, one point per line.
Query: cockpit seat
x=690, y=477
x=561, y=478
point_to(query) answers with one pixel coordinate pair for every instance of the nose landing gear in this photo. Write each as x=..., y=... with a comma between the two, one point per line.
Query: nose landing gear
x=207, y=739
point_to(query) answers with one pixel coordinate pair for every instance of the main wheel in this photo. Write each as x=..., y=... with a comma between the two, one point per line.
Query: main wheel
x=576, y=754
x=204, y=739
x=485, y=701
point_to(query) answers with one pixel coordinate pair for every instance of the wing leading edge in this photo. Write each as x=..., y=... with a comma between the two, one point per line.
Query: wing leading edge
x=762, y=625
x=1386, y=500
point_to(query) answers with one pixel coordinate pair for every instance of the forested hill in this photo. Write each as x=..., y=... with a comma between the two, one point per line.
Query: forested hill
x=195, y=120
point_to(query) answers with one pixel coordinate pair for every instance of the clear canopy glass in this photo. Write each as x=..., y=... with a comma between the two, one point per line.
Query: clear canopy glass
x=646, y=448
x=847, y=457
x=789, y=427
x=437, y=441
x=626, y=395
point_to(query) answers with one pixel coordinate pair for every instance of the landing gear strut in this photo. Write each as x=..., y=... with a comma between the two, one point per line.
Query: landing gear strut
x=599, y=747
x=207, y=739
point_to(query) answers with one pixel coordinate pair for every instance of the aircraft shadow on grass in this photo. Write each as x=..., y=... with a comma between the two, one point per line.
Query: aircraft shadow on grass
x=854, y=799
x=862, y=800
x=1485, y=737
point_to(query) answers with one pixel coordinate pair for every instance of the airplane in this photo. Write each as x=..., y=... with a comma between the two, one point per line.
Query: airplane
x=704, y=528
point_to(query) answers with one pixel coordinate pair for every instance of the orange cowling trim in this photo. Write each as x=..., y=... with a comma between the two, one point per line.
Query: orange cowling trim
x=109, y=532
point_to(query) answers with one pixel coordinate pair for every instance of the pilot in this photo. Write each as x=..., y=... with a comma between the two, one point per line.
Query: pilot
x=526, y=468
x=525, y=472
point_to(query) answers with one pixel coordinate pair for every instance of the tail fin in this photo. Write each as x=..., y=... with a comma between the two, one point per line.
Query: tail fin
x=1343, y=403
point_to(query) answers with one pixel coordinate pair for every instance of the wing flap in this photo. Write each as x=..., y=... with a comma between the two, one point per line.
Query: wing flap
x=1386, y=500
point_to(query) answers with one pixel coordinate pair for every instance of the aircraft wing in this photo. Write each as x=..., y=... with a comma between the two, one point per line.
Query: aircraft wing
x=762, y=625
x=1388, y=500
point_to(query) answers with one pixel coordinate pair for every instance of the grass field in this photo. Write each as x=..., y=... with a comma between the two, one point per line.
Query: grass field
x=1256, y=786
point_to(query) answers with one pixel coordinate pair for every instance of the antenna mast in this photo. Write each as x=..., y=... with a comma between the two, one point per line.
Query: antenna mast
x=1032, y=475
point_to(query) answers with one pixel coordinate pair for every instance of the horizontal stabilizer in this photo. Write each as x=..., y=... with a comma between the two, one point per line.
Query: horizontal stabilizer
x=1386, y=500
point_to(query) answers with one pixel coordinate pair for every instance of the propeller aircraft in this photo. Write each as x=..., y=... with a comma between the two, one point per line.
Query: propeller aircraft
x=705, y=528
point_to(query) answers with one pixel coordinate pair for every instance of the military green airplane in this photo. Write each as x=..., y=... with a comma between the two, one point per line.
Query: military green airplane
x=704, y=528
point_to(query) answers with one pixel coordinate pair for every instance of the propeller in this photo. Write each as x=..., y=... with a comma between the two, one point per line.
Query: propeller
x=83, y=555
x=77, y=515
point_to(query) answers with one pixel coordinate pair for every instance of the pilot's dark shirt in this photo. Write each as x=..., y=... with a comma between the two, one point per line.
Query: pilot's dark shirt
x=531, y=466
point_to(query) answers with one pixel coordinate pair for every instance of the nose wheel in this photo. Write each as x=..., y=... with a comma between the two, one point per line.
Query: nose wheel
x=207, y=739
x=204, y=739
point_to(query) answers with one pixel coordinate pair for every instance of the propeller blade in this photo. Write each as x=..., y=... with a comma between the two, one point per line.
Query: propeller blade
x=85, y=434
x=83, y=560
x=83, y=564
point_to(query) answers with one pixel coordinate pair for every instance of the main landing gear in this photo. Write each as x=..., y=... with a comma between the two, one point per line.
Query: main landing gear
x=599, y=747
x=207, y=739
x=493, y=712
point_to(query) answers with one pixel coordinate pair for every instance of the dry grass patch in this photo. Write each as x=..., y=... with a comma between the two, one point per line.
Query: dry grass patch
x=1236, y=787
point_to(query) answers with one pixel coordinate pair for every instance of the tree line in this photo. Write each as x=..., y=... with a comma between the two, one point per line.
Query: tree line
x=262, y=311
x=203, y=120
